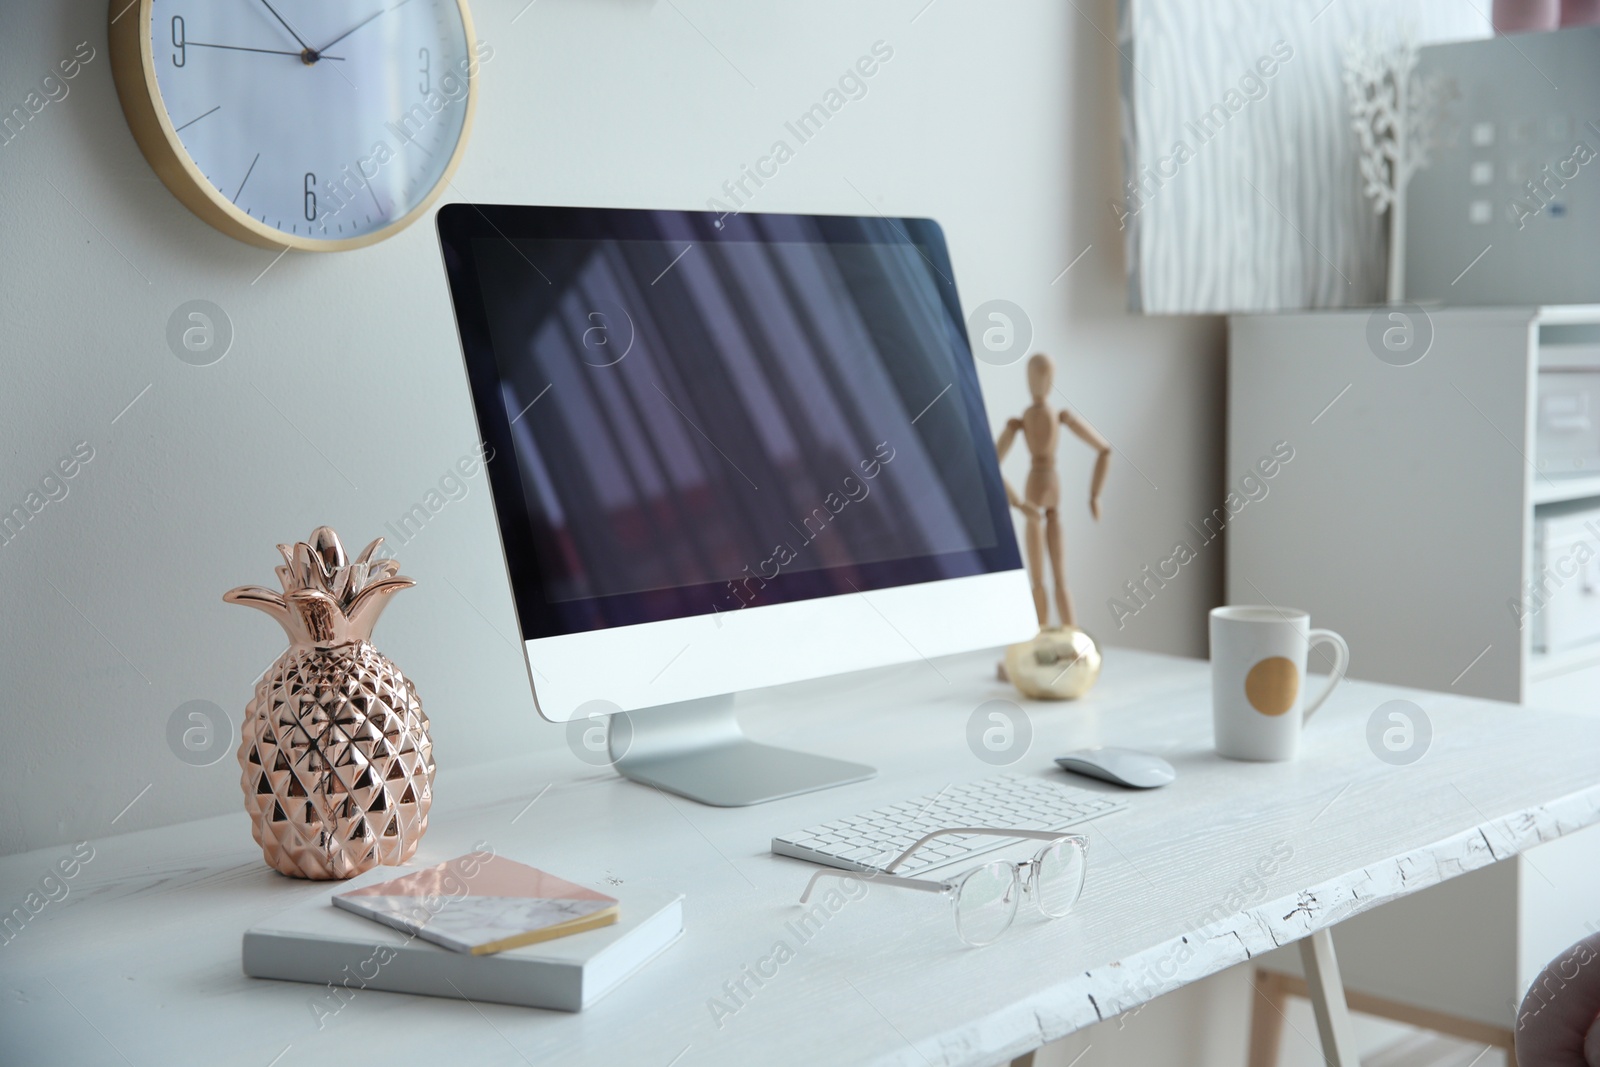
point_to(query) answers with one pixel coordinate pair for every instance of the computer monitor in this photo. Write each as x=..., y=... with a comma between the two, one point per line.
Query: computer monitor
x=729, y=452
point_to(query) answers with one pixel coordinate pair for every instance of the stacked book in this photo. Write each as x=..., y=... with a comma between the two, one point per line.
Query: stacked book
x=478, y=927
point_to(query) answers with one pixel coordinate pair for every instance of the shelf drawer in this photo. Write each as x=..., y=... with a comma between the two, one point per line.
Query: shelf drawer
x=1562, y=600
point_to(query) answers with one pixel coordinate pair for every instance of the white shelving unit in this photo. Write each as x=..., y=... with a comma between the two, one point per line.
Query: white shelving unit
x=1561, y=490
x=1405, y=522
x=1543, y=667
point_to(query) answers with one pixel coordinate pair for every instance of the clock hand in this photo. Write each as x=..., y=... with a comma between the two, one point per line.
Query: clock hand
x=280, y=18
x=362, y=23
x=264, y=51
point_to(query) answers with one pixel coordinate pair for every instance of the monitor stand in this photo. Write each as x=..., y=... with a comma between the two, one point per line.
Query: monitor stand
x=696, y=750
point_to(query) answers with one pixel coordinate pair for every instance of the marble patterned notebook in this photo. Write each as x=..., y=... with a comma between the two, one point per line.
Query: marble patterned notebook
x=482, y=903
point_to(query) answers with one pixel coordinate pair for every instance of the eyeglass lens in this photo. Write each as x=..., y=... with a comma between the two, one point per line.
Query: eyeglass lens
x=986, y=902
x=1059, y=877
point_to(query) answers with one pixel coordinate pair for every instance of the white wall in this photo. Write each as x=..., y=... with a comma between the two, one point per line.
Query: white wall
x=342, y=400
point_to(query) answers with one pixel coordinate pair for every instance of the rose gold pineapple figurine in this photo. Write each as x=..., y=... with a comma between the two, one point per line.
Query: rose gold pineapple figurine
x=1063, y=661
x=338, y=766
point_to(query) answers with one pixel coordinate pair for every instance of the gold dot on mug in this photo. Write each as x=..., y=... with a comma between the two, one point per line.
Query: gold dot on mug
x=1272, y=685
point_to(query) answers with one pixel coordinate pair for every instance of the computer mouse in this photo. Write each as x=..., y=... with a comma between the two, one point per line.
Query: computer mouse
x=1120, y=766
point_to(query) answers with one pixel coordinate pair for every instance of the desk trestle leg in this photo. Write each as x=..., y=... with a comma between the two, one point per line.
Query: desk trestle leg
x=1327, y=1000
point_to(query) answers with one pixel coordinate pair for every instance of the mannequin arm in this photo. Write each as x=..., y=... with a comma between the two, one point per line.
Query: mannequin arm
x=1089, y=436
x=1007, y=437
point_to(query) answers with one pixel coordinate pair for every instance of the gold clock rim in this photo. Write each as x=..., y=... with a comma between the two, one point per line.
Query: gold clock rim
x=133, y=71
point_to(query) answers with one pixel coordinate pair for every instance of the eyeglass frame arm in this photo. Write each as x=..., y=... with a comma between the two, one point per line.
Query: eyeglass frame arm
x=927, y=885
x=1031, y=835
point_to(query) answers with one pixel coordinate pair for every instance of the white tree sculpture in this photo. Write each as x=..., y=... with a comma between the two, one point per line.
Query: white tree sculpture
x=1397, y=118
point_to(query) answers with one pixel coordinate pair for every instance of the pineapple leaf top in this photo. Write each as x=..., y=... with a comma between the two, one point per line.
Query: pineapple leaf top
x=327, y=599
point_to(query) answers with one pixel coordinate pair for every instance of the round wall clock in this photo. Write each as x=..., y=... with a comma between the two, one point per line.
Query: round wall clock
x=320, y=125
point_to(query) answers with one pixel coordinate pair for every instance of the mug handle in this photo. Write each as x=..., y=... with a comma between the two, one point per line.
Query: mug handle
x=1341, y=661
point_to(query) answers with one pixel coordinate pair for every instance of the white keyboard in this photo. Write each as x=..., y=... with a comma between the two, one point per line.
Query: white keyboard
x=872, y=840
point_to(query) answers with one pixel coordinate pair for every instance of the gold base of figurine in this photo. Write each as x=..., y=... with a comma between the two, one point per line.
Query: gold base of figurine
x=1062, y=663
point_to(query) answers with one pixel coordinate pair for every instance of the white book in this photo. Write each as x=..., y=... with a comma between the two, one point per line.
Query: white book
x=319, y=943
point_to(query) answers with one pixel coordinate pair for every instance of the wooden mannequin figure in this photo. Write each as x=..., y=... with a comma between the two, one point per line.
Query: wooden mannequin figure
x=1040, y=427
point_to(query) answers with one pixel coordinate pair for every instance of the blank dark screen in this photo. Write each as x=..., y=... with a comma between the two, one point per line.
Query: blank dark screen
x=705, y=426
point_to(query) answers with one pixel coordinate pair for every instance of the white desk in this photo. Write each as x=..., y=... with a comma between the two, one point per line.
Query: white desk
x=140, y=962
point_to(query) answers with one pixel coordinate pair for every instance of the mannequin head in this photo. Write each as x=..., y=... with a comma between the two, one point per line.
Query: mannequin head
x=1041, y=375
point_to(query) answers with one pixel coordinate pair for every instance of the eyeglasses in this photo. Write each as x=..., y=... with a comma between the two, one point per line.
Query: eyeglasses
x=985, y=898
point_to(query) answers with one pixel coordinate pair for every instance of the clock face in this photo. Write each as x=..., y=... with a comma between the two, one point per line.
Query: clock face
x=326, y=122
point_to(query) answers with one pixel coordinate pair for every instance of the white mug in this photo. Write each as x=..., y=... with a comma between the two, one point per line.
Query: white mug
x=1258, y=670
